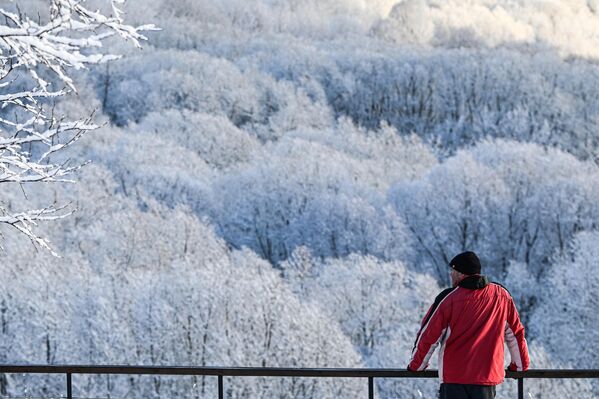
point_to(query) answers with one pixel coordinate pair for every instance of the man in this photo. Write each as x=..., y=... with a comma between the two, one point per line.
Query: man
x=470, y=321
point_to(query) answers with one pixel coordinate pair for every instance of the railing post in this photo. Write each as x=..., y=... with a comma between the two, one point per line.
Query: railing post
x=220, y=387
x=520, y=388
x=69, y=386
x=370, y=387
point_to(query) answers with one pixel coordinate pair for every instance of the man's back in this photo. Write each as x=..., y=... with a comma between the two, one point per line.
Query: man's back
x=470, y=322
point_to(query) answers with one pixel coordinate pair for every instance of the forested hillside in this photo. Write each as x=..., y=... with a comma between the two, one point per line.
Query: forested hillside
x=283, y=183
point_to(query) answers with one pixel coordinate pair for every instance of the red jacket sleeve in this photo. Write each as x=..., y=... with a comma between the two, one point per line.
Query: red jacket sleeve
x=516, y=342
x=430, y=334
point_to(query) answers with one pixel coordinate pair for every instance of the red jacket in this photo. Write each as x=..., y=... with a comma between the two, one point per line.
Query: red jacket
x=471, y=322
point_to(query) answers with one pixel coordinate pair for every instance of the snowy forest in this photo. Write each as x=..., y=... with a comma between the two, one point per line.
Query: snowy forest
x=283, y=183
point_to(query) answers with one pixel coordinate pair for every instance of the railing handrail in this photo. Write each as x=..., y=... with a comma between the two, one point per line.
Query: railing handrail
x=273, y=371
x=221, y=372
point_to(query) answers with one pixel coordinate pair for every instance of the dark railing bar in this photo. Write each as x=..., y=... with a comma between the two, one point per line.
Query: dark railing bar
x=224, y=371
x=69, y=386
x=220, y=387
x=370, y=388
x=275, y=371
x=520, y=388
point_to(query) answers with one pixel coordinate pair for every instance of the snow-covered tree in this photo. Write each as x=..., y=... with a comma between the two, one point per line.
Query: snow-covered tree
x=506, y=200
x=378, y=305
x=308, y=194
x=45, y=51
x=566, y=315
x=371, y=299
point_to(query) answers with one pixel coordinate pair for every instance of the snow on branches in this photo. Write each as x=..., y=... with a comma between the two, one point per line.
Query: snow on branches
x=29, y=131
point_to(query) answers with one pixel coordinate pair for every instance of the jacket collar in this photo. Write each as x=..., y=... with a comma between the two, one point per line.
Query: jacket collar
x=474, y=282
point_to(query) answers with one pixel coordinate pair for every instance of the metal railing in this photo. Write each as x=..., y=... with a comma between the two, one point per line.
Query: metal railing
x=220, y=372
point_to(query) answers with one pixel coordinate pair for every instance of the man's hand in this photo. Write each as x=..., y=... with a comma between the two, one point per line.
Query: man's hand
x=512, y=367
x=409, y=369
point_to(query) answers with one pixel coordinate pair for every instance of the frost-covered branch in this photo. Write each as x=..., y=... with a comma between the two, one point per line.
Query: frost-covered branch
x=26, y=221
x=30, y=134
x=58, y=44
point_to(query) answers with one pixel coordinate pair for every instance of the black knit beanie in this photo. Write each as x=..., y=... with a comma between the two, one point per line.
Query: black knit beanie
x=466, y=263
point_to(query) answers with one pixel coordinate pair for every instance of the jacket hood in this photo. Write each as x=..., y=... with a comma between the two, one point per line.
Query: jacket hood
x=474, y=282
